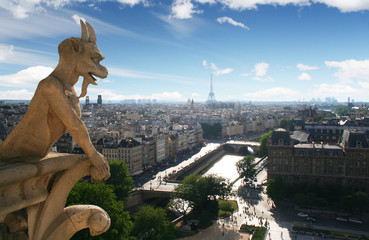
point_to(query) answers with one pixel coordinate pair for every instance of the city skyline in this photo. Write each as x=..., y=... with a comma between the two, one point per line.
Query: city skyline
x=278, y=50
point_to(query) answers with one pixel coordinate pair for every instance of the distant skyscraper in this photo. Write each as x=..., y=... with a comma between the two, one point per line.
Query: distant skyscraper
x=211, y=97
x=99, y=99
x=87, y=100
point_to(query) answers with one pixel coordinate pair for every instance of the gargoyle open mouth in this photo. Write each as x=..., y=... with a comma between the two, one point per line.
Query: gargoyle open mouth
x=93, y=78
x=86, y=81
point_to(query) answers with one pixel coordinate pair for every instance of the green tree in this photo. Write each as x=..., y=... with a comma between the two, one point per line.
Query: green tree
x=152, y=224
x=246, y=167
x=180, y=206
x=348, y=203
x=362, y=202
x=285, y=123
x=263, y=148
x=211, y=131
x=120, y=180
x=200, y=190
x=277, y=189
x=102, y=195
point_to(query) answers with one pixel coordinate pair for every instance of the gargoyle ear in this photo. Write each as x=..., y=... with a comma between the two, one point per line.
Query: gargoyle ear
x=75, y=44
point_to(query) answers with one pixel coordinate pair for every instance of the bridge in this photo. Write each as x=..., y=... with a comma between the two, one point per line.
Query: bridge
x=241, y=147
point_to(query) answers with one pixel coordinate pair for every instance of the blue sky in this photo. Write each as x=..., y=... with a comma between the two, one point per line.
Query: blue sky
x=256, y=50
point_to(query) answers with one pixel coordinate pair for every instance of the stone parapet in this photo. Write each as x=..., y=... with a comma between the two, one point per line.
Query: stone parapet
x=33, y=196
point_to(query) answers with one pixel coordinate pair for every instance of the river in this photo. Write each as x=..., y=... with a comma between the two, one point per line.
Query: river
x=225, y=167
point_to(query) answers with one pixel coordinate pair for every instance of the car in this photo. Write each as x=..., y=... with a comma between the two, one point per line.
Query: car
x=342, y=219
x=252, y=185
x=311, y=218
x=255, y=179
x=355, y=220
x=302, y=214
x=153, y=177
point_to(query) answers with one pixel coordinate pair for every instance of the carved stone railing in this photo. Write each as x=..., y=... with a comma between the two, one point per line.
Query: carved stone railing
x=33, y=196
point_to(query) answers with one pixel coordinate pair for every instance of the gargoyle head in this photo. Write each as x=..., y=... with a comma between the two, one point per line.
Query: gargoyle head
x=84, y=55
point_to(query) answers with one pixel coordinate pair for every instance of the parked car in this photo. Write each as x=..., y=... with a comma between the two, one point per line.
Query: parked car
x=302, y=214
x=342, y=219
x=255, y=179
x=355, y=220
x=311, y=219
x=153, y=177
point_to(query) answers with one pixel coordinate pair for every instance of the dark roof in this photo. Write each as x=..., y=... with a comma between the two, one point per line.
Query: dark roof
x=128, y=143
x=353, y=139
x=3, y=132
x=280, y=134
x=110, y=144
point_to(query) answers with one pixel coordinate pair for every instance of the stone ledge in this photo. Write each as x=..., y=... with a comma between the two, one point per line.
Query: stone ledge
x=11, y=172
x=33, y=196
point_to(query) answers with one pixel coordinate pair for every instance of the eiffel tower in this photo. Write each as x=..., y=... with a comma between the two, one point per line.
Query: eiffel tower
x=211, y=98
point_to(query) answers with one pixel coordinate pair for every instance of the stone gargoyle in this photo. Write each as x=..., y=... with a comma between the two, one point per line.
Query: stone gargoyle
x=55, y=110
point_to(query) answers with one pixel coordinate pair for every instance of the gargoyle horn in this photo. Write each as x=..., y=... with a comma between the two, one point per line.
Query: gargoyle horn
x=92, y=35
x=92, y=39
x=84, y=30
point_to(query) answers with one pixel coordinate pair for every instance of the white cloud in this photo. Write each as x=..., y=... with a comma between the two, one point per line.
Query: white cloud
x=245, y=74
x=22, y=9
x=217, y=71
x=261, y=69
x=110, y=95
x=246, y=5
x=26, y=78
x=21, y=94
x=232, y=22
x=350, y=69
x=337, y=90
x=223, y=71
x=278, y=93
x=304, y=67
x=206, y=1
x=304, y=77
x=183, y=9
x=77, y=19
x=346, y=6
x=167, y=96
x=134, y=2
x=343, y=6
x=364, y=85
x=22, y=56
x=121, y=72
x=267, y=79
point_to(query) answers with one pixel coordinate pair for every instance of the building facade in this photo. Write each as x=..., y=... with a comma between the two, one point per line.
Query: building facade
x=345, y=163
x=128, y=150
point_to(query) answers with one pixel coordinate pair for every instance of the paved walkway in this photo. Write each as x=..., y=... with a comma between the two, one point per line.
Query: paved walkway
x=217, y=232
